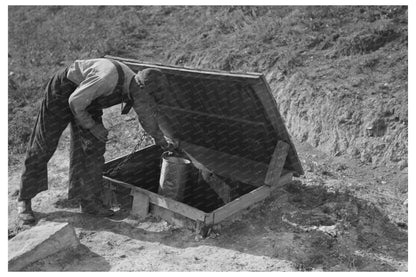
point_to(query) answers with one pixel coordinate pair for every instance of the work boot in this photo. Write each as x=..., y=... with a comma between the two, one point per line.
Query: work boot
x=94, y=207
x=25, y=213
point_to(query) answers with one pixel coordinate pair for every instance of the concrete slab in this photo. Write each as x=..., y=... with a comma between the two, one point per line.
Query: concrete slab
x=40, y=242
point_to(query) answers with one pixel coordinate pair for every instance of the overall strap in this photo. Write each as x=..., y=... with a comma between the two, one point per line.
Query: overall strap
x=119, y=88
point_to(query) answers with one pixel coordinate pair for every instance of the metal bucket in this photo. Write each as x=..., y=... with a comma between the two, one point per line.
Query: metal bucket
x=173, y=176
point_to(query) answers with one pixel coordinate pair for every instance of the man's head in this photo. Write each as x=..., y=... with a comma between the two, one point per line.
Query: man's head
x=153, y=81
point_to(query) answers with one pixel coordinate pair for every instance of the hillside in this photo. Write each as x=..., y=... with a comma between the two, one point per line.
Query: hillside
x=335, y=71
x=339, y=75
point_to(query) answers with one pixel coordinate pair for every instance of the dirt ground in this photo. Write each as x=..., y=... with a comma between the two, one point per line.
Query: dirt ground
x=340, y=216
x=339, y=73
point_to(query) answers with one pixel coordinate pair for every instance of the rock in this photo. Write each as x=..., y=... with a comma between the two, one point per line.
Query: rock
x=40, y=242
x=365, y=157
x=402, y=164
x=376, y=127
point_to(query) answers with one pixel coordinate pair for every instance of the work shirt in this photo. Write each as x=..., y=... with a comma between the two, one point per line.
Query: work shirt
x=98, y=77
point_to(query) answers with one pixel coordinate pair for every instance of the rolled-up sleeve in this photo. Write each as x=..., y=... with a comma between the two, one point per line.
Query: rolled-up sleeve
x=146, y=109
x=93, y=86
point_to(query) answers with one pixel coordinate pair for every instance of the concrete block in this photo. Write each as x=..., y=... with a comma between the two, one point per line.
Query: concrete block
x=140, y=206
x=40, y=242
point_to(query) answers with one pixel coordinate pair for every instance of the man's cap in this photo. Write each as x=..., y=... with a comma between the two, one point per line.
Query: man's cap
x=154, y=80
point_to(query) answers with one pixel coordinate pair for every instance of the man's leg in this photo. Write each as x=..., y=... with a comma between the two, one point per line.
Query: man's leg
x=86, y=168
x=53, y=117
x=76, y=163
x=42, y=144
x=86, y=164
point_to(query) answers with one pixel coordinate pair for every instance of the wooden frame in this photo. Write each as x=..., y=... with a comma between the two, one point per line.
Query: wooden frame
x=207, y=219
x=275, y=169
x=169, y=209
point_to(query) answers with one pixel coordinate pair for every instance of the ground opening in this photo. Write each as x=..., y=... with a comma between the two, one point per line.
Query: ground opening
x=142, y=169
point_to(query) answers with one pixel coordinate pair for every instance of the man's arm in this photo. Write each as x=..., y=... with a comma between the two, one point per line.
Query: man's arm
x=146, y=109
x=91, y=88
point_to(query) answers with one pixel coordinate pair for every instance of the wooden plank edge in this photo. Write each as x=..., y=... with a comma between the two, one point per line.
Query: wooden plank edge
x=284, y=179
x=170, y=204
x=239, y=204
x=277, y=162
x=140, y=205
x=245, y=201
x=176, y=219
x=250, y=75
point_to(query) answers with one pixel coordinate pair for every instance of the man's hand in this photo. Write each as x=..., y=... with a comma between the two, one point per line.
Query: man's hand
x=100, y=132
x=169, y=147
x=176, y=143
x=166, y=146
